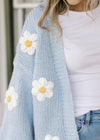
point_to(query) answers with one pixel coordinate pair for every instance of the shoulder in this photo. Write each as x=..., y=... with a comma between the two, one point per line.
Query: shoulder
x=36, y=12
x=31, y=21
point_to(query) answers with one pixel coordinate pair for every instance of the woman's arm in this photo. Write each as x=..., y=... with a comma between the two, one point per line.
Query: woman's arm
x=18, y=116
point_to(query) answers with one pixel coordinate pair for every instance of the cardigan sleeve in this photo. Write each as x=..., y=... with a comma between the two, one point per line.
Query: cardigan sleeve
x=18, y=121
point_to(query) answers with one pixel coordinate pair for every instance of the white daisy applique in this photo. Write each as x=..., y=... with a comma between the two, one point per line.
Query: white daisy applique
x=28, y=42
x=42, y=88
x=11, y=98
x=49, y=137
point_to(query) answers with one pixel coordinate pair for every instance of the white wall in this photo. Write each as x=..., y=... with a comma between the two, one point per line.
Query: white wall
x=3, y=63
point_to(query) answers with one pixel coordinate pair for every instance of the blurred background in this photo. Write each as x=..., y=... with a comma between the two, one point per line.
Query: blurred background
x=12, y=17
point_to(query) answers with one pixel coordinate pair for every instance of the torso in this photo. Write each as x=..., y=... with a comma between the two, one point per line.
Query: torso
x=81, y=45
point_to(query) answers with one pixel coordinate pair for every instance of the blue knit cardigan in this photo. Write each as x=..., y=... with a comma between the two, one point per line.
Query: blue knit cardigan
x=38, y=101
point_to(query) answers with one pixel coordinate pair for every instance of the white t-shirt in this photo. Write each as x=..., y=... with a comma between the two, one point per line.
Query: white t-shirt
x=81, y=43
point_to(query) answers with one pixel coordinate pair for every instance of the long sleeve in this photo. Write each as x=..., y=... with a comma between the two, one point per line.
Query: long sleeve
x=18, y=116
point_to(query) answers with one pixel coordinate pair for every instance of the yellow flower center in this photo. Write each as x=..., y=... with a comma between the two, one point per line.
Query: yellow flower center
x=9, y=99
x=42, y=89
x=28, y=43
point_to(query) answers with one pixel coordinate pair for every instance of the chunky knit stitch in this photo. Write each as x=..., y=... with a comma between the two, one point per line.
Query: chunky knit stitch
x=38, y=102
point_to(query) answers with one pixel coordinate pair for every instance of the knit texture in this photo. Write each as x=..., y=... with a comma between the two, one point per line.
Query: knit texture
x=33, y=112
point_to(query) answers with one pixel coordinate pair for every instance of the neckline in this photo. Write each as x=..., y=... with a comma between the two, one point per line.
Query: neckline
x=83, y=12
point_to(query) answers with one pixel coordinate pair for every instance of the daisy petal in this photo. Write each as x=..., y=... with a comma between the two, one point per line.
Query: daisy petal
x=41, y=97
x=10, y=107
x=43, y=81
x=36, y=84
x=14, y=96
x=11, y=98
x=50, y=85
x=56, y=138
x=34, y=91
x=14, y=103
x=48, y=137
x=24, y=48
x=34, y=37
x=34, y=44
x=31, y=51
x=26, y=34
x=21, y=40
x=5, y=100
x=49, y=94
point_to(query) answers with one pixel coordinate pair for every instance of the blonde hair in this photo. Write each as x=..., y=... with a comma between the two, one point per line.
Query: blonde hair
x=56, y=7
